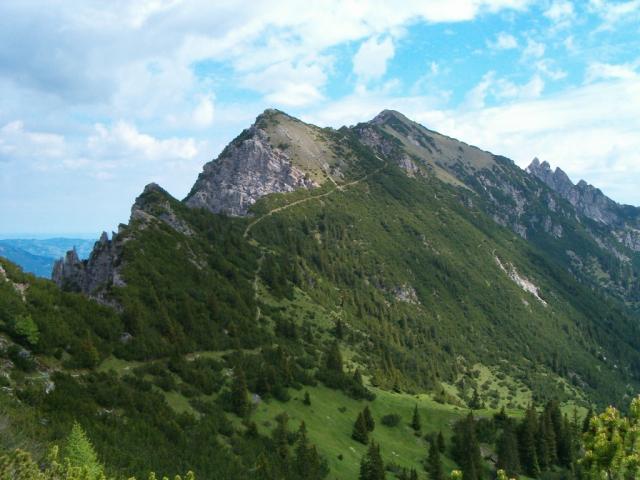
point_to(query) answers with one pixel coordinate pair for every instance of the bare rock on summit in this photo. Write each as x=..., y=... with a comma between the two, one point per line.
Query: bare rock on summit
x=248, y=169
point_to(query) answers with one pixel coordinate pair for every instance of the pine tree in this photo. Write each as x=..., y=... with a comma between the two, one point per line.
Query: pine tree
x=360, y=432
x=371, y=465
x=527, y=443
x=333, y=358
x=587, y=421
x=434, y=463
x=466, y=449
x=507, y=450
x=263, y=469
x=80, y=452
x=566, y=452
x=307, y=399
x=368, y=419
x=280, y=436
x=307, y=463
x=441, y=443
x=339, y=329
x=239, y=394
x=415, y=421
x=357, y=377
x=476, y=402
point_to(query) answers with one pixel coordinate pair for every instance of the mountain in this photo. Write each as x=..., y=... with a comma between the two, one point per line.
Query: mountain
x=382, y=264
x=37, y=256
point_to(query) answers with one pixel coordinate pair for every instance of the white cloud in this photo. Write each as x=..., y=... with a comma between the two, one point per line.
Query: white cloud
x=123, y=141
x=370, y=61
x=291, y=84
x=606, y=71
x=502, y=89
x=534, y=49
x=476, y=97
x=560, y=12
x=18, y=143
x=613, y=12
x=504, y=41
x=203, y=113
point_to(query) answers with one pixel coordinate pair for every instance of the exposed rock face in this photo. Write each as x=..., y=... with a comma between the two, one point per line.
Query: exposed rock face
x=145, y=211
x=588, y=200
x=92, y=275
x=248, y=169
x=523, y=282
x=629, y=237
x=406, y=293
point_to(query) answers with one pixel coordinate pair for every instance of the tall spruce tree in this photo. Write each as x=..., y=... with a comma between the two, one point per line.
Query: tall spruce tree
x=441, y=443
x=434, y=463
x=527, y=443
x=371, y=465
x=415, y=420
x=360, y=431
x=239, y=394
x=333, y=358
x=368, y=419
x=507, y=450
x=81, y=454
x=466, y=449
x=307, y=462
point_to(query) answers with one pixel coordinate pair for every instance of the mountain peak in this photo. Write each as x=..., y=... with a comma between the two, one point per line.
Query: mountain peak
x=389, y=115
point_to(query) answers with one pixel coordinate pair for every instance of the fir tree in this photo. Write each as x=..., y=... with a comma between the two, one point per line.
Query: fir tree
x=239, y=395
x=333, y=358
x=280, y=436
x=527, y=443
x=587, y=421
x=357, y=377
x=507, y=450
x=80, y=452
x=466, y=449
x=441, y=443
x=263, y=469
x=360, y=432
x=371, y=465
x=368, y=419
x=415, y=421
x=339, y=329
x=434, y=463
x=476, y=402
x=307, y=461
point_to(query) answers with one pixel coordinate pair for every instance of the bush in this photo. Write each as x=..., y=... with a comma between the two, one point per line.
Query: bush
x=391, y=420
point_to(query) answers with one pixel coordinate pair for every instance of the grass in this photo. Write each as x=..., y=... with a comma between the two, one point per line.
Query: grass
x=330, y=419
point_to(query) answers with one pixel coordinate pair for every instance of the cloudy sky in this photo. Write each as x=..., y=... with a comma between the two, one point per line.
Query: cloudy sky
x=99, y=98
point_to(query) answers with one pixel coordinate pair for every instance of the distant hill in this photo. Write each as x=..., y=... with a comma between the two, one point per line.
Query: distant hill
x=37, y=256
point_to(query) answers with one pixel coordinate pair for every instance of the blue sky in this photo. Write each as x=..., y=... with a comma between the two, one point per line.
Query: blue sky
x=98, y=98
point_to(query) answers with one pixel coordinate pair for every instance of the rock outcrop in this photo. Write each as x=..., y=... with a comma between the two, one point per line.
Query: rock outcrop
x=93, y=275
x=587, y=199
x=248, y=169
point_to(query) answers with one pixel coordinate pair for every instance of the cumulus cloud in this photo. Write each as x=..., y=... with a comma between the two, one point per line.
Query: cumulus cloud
x=560, y=12
x=19, y=143
x=614, y=12
x=533, y=49
x=604, y=71
x=370, y=61
x=504, y=41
